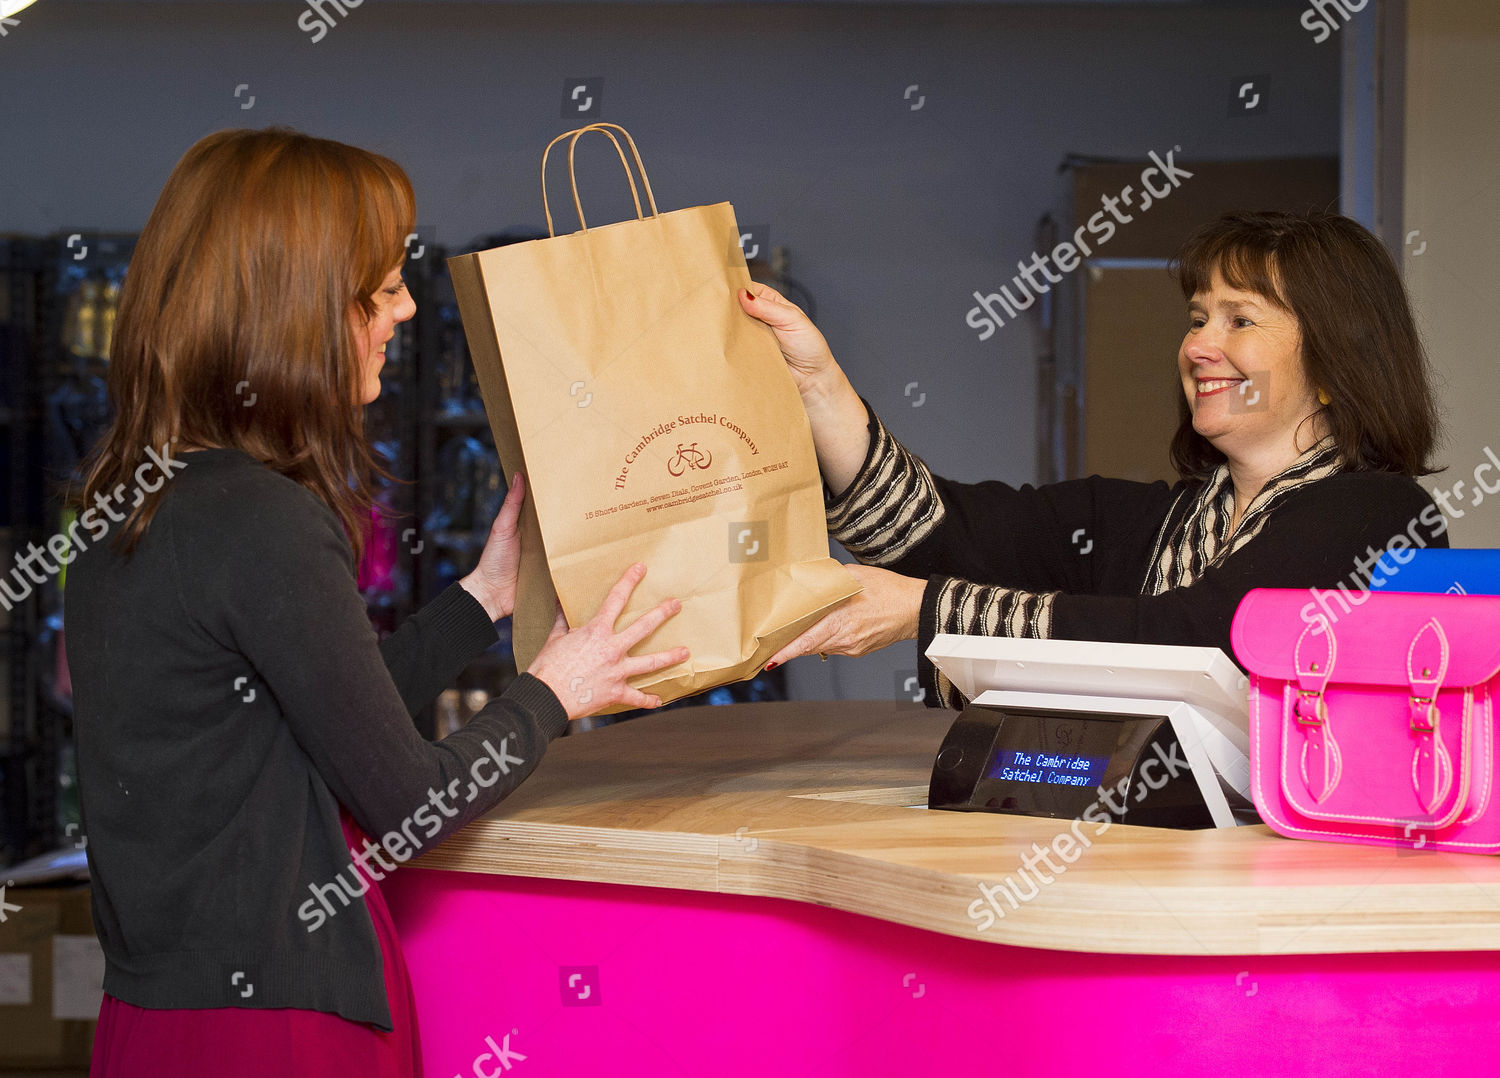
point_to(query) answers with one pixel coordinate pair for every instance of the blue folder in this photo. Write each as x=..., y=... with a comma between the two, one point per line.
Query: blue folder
x=1458, y=572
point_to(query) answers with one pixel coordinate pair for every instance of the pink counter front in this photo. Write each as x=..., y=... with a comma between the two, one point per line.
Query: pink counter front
x=746, y=891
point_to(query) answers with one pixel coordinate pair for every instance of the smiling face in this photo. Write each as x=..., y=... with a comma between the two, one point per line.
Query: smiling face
x=393, y=304
x=1242, y=372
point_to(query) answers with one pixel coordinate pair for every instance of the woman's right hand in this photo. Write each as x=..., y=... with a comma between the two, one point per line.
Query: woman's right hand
x=802, y=344
x=587, y=667
x=840, y=425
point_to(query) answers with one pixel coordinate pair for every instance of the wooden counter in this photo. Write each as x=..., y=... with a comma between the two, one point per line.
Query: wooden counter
x=807, y=801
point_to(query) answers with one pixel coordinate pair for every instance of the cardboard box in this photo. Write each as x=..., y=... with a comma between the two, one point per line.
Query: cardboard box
x=51, y=977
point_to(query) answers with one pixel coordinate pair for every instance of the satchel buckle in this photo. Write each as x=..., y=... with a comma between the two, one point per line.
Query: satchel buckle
x=1423, y=712
x=1320, y=708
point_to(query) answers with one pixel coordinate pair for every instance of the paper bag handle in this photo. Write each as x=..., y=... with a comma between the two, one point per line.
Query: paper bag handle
x=576, y=134
x=602, y=128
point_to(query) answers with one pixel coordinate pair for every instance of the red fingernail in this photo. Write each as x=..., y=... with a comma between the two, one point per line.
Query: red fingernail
x=771, y=666
x=748, y=294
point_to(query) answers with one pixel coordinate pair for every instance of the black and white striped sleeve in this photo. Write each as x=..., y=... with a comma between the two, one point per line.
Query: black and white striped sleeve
x=957, y=606
x=891, y=506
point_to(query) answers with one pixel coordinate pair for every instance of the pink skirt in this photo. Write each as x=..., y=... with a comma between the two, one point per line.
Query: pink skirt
x=238, y=1042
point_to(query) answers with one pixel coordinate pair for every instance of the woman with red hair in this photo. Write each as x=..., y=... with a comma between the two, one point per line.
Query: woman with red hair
x=248, y=765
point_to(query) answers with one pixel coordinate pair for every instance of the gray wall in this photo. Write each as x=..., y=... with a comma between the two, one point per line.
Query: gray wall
x=1452, y=199
x=795, y=113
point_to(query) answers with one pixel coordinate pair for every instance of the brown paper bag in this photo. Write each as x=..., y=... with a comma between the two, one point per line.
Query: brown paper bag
x=654, y=421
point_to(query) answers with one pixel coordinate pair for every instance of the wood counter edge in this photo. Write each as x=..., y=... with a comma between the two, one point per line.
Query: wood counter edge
x=1081, y=917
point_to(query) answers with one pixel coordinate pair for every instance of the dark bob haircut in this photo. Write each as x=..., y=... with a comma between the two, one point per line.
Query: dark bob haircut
x=1359, y=341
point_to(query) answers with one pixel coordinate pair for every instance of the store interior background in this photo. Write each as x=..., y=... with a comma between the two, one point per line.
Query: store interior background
x=800, y=115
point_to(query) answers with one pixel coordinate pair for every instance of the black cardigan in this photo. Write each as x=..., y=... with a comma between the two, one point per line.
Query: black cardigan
x=1092, y=539
x=229, y=695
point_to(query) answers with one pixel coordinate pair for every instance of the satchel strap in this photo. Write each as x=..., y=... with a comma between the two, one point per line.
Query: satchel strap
x=1426, y=666
x=1313, y=660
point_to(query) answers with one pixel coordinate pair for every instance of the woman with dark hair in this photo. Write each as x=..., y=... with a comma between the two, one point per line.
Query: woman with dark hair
x=240, y=730
x=1306, y=416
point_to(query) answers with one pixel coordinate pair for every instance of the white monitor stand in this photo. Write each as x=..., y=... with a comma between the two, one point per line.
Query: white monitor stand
x=1199, y=690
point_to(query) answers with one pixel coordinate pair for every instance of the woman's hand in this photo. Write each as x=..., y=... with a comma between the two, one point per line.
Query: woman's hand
x=886, y=612
x=840, y=427
x=587, y=667
x=802, y=343
x=493, y=581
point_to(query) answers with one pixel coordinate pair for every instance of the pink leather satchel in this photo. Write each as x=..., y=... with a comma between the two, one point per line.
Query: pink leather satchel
x=1375, y=725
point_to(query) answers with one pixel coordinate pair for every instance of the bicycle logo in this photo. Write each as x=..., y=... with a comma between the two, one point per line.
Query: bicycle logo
x=689, y=458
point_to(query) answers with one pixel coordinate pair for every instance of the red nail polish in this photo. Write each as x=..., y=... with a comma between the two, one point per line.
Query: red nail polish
x=748, y=294
x=771, y=666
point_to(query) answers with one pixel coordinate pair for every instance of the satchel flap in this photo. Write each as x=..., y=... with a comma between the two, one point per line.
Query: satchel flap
x=1374, y=636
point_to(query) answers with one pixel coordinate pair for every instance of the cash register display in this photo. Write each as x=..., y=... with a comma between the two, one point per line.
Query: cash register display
x=1048, y=763
x=1052, y=768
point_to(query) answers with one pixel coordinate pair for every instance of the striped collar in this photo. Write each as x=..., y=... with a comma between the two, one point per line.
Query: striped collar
x=1201, y=538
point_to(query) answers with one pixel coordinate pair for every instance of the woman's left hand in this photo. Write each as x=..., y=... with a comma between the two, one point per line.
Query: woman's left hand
x=493, y=581
x=886, y=612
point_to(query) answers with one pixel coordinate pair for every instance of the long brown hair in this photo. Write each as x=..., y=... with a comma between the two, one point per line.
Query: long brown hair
x=234, y=323
x=1359, y=341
